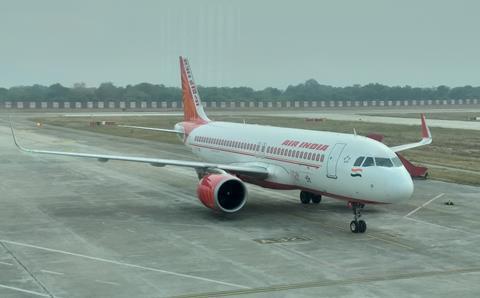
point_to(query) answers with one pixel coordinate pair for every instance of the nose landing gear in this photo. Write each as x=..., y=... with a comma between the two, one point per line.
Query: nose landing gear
x=307, y=197
x=357, y=225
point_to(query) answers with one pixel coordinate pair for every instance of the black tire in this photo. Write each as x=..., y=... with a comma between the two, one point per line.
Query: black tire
x=362, y=225
x=316, y=199
x=305, y=197
x=354, y=226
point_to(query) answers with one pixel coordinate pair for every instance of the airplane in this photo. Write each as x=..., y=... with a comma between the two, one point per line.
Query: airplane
x=348, y=167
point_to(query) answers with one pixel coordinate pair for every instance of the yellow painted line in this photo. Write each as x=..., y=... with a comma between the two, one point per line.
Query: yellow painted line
x=326, y=283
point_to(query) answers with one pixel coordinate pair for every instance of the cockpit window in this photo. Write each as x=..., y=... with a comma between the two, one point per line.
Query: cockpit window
x=397, y=162
x=383, y=162
x=368, y=162
x=358, y=162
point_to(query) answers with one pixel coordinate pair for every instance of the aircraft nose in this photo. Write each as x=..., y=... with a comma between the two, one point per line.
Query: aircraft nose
x=402, y=187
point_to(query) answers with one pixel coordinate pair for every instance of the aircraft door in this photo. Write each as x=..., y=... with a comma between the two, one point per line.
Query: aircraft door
x=332, y=161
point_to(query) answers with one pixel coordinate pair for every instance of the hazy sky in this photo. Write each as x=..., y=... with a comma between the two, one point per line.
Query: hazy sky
x=256, y=43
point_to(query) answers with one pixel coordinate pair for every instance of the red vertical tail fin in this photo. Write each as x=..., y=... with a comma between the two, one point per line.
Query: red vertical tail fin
x=192, y=105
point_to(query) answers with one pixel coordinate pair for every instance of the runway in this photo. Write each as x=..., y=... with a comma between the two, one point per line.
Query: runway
x=79, y=228
x=456, y=124
x=343, y=114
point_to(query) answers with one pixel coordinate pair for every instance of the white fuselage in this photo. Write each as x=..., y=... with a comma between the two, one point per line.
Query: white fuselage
x=316, y=161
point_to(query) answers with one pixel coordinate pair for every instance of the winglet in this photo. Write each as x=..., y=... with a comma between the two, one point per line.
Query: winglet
x=425, y=130
x=14, y=136
x=426, y=138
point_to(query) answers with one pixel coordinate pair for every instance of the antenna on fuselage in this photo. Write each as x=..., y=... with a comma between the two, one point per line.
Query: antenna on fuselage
x=354, y=131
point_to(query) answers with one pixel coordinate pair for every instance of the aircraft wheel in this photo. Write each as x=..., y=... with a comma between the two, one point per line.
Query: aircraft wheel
x=316, y=199
x=305, y=197
x=354, y=226
x=362, y=226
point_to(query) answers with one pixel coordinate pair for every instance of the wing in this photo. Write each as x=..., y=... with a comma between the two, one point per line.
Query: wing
x=153, y=128
x=249, y=170
x=426, y=138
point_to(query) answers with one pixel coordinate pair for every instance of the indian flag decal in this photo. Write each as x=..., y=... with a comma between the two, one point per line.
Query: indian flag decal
x=356, y=172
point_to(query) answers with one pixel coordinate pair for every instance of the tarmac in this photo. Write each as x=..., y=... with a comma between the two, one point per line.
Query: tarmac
x=72, y=227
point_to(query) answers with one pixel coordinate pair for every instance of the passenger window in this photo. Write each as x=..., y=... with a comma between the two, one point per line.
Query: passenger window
x=383, y=162
x=358, y=162
x=368, y=162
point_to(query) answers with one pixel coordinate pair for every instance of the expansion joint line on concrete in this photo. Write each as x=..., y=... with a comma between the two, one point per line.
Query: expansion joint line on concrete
x=37, y=281
x=189, y=276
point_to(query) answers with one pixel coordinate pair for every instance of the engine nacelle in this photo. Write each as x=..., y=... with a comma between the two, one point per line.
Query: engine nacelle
x=222, y=192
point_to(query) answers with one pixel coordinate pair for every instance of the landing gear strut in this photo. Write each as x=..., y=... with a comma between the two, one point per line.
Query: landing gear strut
x=307, y=197
x=357, y=225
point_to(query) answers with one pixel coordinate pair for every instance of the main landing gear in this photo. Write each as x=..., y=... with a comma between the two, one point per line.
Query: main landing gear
x=307, y=197
x=357, y=225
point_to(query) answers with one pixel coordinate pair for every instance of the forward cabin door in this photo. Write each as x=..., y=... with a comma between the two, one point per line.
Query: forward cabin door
x=332, y=161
